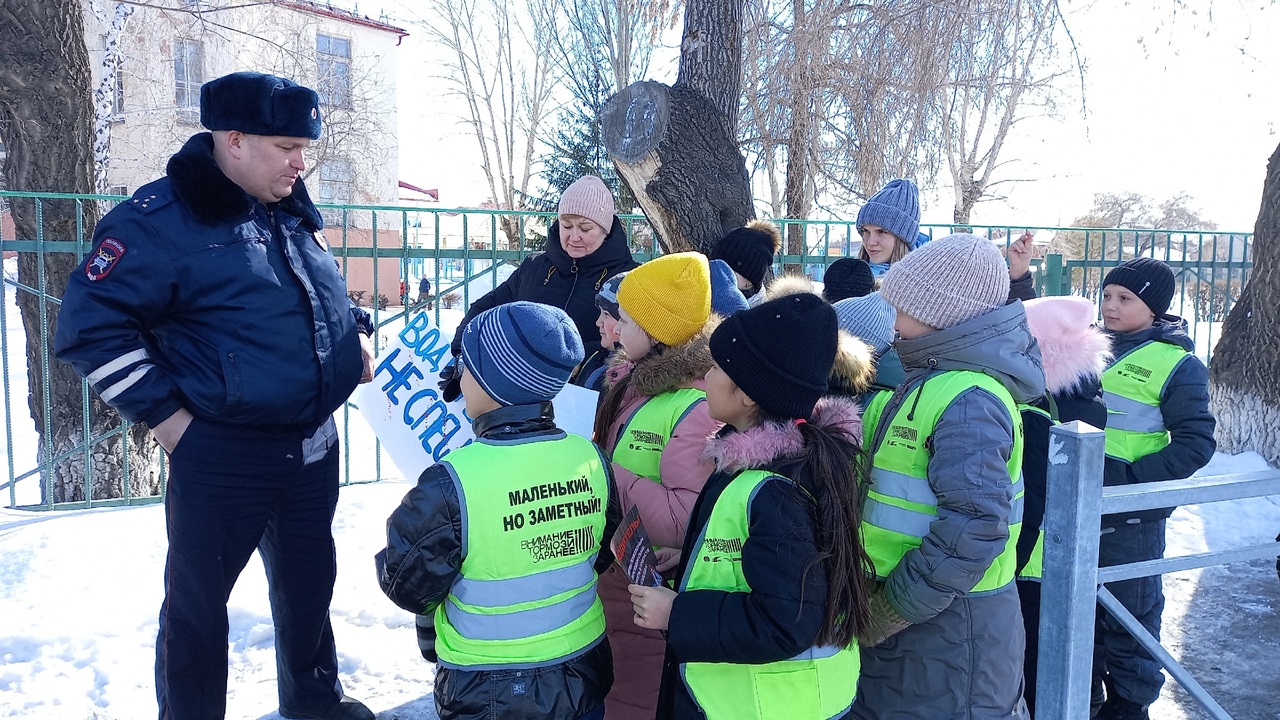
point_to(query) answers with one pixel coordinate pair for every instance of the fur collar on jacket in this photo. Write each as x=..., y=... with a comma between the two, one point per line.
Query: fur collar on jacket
x=785, y=285
x=666, y=368
x=854, y=370
x=767, y=442
x=214, y=199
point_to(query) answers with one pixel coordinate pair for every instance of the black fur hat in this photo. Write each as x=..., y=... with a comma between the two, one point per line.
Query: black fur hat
x=260, y=104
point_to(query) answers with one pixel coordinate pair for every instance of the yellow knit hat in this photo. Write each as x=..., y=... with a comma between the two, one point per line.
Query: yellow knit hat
x=669, y=297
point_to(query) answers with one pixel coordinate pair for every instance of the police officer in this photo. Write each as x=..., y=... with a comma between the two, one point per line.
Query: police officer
x=212, y=310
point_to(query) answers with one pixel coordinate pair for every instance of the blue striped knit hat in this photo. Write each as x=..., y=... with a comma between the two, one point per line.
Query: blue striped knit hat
x=521, y=353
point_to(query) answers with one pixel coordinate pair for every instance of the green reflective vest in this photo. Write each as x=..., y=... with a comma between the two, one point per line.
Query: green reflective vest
x=1132, y=388
x=1034, y=569
x=899, y=503
x=532, y=521
x=817, y=684
x=647, y=431
x=872, y=414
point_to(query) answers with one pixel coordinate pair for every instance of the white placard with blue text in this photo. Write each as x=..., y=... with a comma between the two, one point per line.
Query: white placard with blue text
x=404, y=408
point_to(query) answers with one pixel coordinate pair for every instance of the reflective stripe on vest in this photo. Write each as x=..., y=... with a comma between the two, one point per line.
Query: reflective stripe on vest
x=532, y=522
x=818, y=683
x=1132, y=388
x=899, y=505
x=647, y=431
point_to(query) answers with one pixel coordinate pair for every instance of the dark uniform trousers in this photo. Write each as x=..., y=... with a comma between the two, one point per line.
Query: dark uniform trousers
x=233, y=489
x=1129, y=670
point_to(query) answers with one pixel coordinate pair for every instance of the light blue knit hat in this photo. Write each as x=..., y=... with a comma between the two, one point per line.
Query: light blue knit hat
x=868, y=318
x=895, y=208
x=521, y=353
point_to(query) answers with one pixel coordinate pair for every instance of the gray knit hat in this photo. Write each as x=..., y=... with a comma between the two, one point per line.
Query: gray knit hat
x=895, y=208
x=868, y=318
x=948, y=281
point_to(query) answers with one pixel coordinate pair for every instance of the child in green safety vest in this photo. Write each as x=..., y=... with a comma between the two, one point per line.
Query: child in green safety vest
x=773, y=581
x=942, y=507
x=1074, y=352
x=1158, y=428
x=495, y=548
x=653, y=425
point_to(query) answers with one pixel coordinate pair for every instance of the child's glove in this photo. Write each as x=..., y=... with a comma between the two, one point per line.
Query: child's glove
x=427, y=636
x=451, y=380
x=885, y=621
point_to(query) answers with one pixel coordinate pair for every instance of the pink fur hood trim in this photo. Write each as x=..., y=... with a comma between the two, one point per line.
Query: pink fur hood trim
x=766, y=442
x=1072, y=349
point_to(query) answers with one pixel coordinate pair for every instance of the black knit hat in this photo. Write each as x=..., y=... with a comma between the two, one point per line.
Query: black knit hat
x=847, y=278
x=749, y=250
x=780, y=352
x=1148, y=278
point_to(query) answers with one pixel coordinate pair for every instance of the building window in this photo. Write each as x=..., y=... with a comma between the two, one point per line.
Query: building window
x=337, y=187
x=333, y=61
x=117, y=100
x=188, y=76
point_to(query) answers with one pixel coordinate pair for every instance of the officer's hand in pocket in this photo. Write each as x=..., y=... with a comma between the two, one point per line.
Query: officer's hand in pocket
x=169, y=432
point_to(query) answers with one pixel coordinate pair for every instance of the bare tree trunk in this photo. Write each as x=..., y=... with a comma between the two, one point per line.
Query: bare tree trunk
x=683, y=169
x=47, y=125
x=676, y=148
x=1244, y=387
x=799, y=181
x=711, y=56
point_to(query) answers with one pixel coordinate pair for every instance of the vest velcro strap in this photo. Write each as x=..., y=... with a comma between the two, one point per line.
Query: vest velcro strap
x=1128, y=414
x=817, y=652
x=896, y=519
x=902, y=486
x=530, y=588
x=523, y=623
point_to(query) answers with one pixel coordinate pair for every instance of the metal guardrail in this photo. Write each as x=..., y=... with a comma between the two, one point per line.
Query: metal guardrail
x=463, y=252
x=1073, y=584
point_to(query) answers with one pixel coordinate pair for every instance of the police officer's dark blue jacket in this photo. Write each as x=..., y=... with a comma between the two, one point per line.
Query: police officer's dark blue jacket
x=197, y=295
x=1185, y=409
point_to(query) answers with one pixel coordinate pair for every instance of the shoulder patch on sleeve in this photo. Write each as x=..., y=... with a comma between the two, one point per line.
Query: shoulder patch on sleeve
x=104, y=258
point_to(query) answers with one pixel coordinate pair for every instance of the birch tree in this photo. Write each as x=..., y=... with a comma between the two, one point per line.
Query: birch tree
x=1002, y=69
x=504, y=82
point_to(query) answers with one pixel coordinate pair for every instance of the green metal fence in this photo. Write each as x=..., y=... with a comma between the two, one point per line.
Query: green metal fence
x=386, y=250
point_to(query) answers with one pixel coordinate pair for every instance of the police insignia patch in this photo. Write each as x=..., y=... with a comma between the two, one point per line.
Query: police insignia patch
x=104, y=258
x=318, y=236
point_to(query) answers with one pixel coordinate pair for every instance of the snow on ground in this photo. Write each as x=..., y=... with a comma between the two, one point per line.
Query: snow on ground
x=80, y=592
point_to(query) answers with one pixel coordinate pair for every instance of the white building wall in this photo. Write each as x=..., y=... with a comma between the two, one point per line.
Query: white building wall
x=274, y=38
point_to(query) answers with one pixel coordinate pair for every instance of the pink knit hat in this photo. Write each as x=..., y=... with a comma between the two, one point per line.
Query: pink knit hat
x=589, y=197
x=1071, y=348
